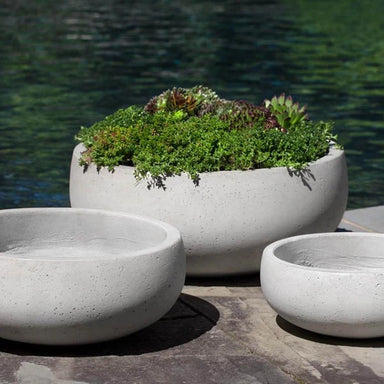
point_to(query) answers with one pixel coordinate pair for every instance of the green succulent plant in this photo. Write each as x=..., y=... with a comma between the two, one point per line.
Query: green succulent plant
x=193, y=130
x=188, y=100
x=286, y=111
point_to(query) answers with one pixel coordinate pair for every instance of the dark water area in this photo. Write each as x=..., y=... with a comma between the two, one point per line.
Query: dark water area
x=67, y=64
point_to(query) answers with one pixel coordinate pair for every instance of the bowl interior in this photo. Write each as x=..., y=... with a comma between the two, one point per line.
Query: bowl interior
x=72, y=234
x=334, y=251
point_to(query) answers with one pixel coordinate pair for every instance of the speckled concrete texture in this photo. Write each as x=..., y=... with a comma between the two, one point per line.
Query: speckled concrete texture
x=228, y=219
x=330, y=283
x=76, y=276
x=219, y=331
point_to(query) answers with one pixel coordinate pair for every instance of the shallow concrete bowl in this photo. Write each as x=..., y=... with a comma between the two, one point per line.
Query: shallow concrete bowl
x=331, y=283
x=231, y=216
x=76, y=276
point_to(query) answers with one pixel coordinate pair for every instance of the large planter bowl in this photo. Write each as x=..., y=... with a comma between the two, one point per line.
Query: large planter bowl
x=228, y=219
x=74, y=276
x=330, y=283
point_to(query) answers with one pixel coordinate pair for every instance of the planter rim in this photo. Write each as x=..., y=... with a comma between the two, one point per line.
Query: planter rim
x=269, y=251
x=172, y=234
x=332, y=154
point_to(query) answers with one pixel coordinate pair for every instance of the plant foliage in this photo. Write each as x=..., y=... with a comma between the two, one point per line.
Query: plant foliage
x=287, y=113
x=193, y=131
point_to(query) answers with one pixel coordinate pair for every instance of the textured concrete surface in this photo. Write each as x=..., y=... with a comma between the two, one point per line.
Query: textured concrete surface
x=75, y=276
x=235, y=217
x=219, y=331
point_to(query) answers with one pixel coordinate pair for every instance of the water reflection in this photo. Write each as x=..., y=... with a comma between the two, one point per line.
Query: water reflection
x=67, y=64
x=339, y=59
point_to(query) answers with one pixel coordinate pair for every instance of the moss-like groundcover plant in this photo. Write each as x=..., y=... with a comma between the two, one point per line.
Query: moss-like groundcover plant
x=193, y=130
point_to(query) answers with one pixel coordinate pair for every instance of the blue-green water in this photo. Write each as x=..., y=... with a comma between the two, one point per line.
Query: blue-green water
x=67, y=64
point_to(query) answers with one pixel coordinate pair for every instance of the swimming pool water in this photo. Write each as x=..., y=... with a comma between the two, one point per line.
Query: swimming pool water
x=67, y=64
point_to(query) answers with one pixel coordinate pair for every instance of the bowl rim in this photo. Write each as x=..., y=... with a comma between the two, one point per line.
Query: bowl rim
x=333, y=153
x=172, y=234
x=269, y=251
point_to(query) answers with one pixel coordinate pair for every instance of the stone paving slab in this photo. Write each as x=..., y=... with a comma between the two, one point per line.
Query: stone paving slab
x=305, y=356
x=365, y=219
x=219, y=331
x=186, y=346
x=152, y=369
x=205, y=338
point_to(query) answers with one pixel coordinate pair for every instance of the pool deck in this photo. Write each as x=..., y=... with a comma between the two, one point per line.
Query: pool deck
x=219, y=331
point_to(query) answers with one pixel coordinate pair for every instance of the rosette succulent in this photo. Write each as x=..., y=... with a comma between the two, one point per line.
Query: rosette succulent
x=286, y=111
x=189, y=100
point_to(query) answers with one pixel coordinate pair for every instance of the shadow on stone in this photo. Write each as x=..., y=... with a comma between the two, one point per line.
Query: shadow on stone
x=343, y=230
x=306, y=176
x=187, y=320
x=252, y=280
x=323, y=339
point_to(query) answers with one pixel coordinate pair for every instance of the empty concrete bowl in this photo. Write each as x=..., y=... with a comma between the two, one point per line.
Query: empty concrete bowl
x=75, y=276
x=330, y=283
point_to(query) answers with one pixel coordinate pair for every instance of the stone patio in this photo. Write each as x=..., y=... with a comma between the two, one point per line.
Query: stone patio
x=219, y=331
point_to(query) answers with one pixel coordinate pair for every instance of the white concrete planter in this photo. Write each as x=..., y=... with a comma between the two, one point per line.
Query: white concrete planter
x=330, y=283
x=74, y=276
x=231, y=216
